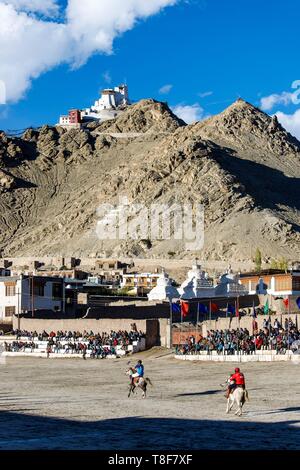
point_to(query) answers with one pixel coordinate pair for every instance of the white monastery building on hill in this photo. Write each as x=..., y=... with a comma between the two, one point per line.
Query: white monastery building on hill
x=112, y=102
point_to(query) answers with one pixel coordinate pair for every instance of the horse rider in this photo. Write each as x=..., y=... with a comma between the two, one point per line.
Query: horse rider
x=139, y=372
x=236, y=380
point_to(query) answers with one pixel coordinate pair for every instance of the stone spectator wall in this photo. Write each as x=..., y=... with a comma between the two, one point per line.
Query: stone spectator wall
x=156, y=329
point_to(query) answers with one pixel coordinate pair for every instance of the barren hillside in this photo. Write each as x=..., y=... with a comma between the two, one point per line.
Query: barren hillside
x=241, y=165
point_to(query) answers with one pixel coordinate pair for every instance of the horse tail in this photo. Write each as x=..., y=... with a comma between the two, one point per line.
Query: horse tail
x=246, y=395
x=149, y=381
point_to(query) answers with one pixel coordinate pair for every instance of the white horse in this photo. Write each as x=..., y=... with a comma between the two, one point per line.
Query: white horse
x=238, y=396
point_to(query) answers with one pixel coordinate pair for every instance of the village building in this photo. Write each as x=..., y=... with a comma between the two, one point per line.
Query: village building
x=21, y=294
x=4, y=272
x=108, y=272
x=140, y=283
x=64, y=273
x=281, y=289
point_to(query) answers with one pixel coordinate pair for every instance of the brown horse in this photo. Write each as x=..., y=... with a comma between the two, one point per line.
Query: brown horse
x=138, y=382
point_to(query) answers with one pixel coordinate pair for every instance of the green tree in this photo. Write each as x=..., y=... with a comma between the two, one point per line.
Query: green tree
x=274, y=264
x=283, y=264
x=257, y=260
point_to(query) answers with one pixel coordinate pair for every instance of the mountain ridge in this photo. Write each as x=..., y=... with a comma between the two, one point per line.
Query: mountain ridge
x=240, y=164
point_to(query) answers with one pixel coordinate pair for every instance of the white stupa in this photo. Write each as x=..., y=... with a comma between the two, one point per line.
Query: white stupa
x=229, y=285
x=164, y=289
x=198, y=284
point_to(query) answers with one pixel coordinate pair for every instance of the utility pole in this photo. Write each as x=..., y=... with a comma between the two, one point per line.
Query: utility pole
x=18, y=294
x=64, y=295
x=32, y=296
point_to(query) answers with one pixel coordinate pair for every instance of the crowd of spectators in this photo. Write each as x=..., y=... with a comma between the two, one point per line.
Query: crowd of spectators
x=97, y=345
x=277, y=337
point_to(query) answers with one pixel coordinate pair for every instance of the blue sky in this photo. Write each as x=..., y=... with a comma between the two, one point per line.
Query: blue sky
x=209, y=52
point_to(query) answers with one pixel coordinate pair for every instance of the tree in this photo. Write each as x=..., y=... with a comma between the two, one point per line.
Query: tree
x=281, y=264
x=257, y=260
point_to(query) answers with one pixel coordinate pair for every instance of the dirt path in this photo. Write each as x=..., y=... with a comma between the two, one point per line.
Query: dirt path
x=76, y=404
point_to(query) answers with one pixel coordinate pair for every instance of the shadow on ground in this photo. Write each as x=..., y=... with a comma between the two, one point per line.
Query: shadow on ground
x=206, y=392
x=24, y=431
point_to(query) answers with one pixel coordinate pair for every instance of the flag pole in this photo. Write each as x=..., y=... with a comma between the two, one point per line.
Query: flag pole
x=197, y=320
x=288, y=336
x=237, y=338
x=289, y=326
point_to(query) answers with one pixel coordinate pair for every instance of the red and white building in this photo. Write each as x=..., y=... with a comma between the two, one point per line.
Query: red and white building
x=111, y=103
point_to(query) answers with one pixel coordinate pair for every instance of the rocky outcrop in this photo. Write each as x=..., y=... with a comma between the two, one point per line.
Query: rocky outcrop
x=7, y=181
x=145, y=116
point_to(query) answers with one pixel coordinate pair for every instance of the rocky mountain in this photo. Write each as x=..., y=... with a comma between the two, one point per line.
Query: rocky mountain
x=241, y=165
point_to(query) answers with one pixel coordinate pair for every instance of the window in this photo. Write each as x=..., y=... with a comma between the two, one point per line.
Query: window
x=10, y=311
x=38, y=288
x=283, y=283
x=57, y=291
x=296, y=283
x=10, y=290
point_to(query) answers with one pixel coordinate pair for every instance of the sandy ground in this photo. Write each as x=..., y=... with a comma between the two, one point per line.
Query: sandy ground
x=76, y=404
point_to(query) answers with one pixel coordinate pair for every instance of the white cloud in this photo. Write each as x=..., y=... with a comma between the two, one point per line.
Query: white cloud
x=2, y=92
x=45, y=7
x=107, y=77
x=205, y=94
x=291, y=122
x=285, y=98
x=95, y=24
x=164, y=90
x=268, y=102
x=189, y=113
x=30, y=46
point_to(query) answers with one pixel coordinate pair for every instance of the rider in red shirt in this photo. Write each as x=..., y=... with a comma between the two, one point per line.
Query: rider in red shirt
x=237, y=380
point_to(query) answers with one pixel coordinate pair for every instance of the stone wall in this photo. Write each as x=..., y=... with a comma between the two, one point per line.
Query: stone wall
x=155, y=329
x=266, y=356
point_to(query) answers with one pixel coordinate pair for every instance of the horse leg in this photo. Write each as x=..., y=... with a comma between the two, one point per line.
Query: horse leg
x=229, y=405
x=239, y=408
x=131, y=389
